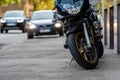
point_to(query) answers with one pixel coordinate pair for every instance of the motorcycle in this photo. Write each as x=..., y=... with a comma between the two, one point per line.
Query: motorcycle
x=83, y=32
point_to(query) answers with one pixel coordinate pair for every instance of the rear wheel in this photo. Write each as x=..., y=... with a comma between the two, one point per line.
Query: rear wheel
x=85, y=57
x=6, y=31
x=29, y=35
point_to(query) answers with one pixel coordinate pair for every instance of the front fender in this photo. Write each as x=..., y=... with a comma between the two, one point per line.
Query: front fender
x=73, y=30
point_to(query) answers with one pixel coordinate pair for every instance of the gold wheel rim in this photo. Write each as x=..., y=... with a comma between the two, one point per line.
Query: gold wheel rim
x=81, y=50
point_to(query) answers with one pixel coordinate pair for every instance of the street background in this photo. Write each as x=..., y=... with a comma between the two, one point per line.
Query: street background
x=44, y=58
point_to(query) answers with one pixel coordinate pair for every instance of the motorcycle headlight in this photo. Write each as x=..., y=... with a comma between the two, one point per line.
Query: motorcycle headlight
x=58, y=25
x=32, y=26
x=73, y=9
x=20, y=20
x=2, y=20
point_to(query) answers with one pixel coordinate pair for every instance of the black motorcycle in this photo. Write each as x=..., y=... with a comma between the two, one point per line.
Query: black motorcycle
x=83, y=31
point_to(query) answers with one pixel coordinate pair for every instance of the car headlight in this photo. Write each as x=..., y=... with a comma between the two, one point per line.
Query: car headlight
x=20, y=20
x=32, y=26
x=2, y=20
x=58, y=25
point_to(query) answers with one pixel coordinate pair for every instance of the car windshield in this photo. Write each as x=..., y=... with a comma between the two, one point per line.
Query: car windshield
x=42, y=15
x=14, y=14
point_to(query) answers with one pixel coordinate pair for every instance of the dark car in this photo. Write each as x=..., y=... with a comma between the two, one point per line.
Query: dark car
x=13, y=20
x=42, y=22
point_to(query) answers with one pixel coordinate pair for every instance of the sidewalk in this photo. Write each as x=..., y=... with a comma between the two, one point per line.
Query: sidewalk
x=110, y=53
x=109, y=64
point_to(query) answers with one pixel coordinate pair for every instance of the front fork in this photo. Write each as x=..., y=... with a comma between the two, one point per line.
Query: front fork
x=87, y=39
x=86, y=35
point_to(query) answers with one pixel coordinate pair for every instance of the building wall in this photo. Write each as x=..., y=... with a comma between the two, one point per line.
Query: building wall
x=108, y=31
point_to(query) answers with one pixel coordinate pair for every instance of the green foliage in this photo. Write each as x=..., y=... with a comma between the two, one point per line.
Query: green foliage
x=2, y=2
x=107, y=3
x=7, y=2
x=42, y=4
x=18, y=1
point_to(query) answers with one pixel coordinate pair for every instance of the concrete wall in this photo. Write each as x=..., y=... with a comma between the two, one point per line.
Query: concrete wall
x=110, y=27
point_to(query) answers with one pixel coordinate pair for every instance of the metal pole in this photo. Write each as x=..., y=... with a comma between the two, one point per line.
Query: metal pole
x=118, y=29
x=111, y=28
x=105, y=27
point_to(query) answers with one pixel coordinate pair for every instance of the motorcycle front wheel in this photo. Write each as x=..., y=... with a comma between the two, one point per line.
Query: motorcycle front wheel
x=85, y=57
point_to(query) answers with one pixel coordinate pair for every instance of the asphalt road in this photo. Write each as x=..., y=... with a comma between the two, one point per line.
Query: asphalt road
x=11, y=39
x=44, y=58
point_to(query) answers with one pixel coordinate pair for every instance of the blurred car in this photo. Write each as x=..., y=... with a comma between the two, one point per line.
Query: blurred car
x=13, y=20
x=42, y=22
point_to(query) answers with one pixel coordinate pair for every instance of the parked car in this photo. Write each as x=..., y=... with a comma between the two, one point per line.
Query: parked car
x=42, y=22
x=13, y=20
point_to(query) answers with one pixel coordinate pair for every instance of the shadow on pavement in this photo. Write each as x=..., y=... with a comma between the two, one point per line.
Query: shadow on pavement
x=1, y=45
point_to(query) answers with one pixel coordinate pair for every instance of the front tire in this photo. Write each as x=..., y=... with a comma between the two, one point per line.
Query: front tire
x=61, y=34
x=100, y=49
x=76, y=43
x=23, y=31
x=6, y=31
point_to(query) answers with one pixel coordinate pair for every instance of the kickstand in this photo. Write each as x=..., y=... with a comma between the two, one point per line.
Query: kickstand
x=71, y=61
